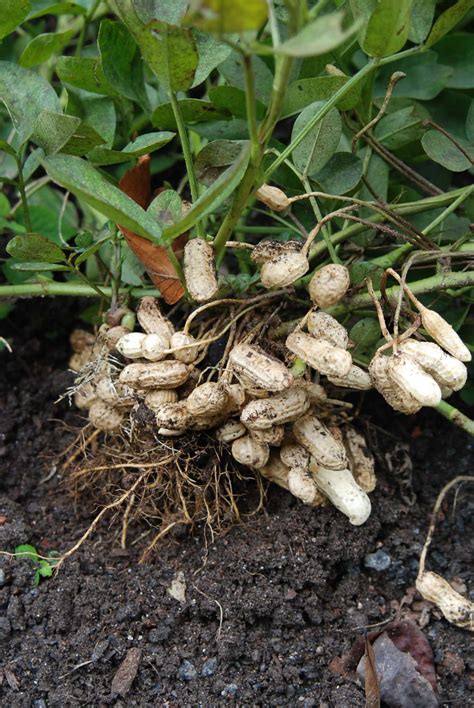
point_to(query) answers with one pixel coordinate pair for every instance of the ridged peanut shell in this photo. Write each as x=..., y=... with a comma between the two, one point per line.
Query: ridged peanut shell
x=207, y=399
x=442, y=332
x=104, y=417
x=156, y=399
x=79, y=359
x=114, y=393
x=277, y=410
x=456, y=608
x=343, y=491
x=396, y=397
x=237, y=397
x=111, y=335
x=413, y=379
x=272, y=197
x=356, y=378
x=267, y=249
x=329, y=285
x=293, y=455
x=249, y=452
x=151, y=319
x=303, y=487
x=173, y=416
x=131, y=345
x=180, y=342
x=284, y=269
x=320, y=354
x=230, y=431
x=259, y=368
x=446, y=370
x=321, y=325
x=200, y=270
x=271, y=436
x=313, y=435
x=160, y=374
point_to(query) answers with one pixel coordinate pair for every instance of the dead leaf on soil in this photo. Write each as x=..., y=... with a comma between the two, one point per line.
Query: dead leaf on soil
x=136, y=183
x=372, y=688
x=126, y=672
x=177, y=589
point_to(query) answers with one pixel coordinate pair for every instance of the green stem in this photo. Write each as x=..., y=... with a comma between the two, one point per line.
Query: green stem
x=87, y=20
x=456, y=417
x=188, y=159
x=317, y=211
x=71, y=289
x=251, y=108
x=24, y=200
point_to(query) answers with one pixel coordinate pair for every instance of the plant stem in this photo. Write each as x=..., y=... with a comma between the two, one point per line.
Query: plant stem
x=87, y=20
x=188, y=159
x=317, y=211
x=251, y=108
x=71, y=289
x=456, y=417
x=24, y=200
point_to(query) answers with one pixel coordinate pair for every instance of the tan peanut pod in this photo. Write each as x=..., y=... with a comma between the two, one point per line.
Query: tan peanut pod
x=275, y=471
x=267, y=249
x=131, y=345
x=249, y=388
x=294, y=456
x=446, y=370
x=320, y=443
x=361, y=460
x=160, y=374
x=85, y=396
x=271, y=436
x=154, y=347
x=151, y=319
x=208, y=399
x=111, y=335
x=105, y=417
x=302, y=485
x=456, y=608
x=174, y=416
x=316, y=393
x=208, y=422
x=442, y=332
x=329, y=285
x=343, y=492
x=249, y=452
x=279, y=409
x=396, y=397
x=236, y=394
x=81, y=340
x=414, y=380
x=167, y=433
x=200, y=270
x=259, y=368
x=114, y=393
x=179, y=341
x=356, y=378
x=321, y=325
x=79, y=359
x=230, y=431
x=272, y=197
x=284, y=269
x=155, y=399
x=320, y=354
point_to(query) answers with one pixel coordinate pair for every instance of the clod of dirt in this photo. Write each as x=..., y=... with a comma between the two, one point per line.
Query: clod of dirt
x=401, y=686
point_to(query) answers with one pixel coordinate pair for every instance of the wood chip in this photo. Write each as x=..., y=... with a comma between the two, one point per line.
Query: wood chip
x=126, y=672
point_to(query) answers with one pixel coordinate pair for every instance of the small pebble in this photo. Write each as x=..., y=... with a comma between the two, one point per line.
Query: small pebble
x=40, y=703
x=186, y=671
x=2, y=577
x=230, y=690
x=377, y=561
x=209, y=667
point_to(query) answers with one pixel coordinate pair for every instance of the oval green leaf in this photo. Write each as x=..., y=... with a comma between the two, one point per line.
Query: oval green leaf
x=316, y=148
x=34, y=247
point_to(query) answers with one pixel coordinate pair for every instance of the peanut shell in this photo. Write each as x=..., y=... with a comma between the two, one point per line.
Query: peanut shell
x=446, y=370
x=230, y=431
x=343, y=492
x=321, y=325
x=131, y=345
x=160, y=374
x=412, y=379
x=156, y=398
x=259, y=368
x=361, y=460
x=313, y=435
x=173, y=416
x=282, y=408
x=302, y=485
x=271, y=436
x=151, y=319
x=104, y=417
x=284, y=269
x=396, y=397
x=320, y=354
x=456, y=608
x=200, y=270
x=442, y=332
x=207, y=399
x=272, y=197
x=356, y=378
x=186, y=354
x=249, y=452
x=329, y=285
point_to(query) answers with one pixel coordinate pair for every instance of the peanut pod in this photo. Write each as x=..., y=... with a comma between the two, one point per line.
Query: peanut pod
x=321, y=325
x=329, y=285
x=249, y=452
x=200, y=270
x=320, y=354
x=162, y=374
x=259, y=368
x=313, y=435
x=343, y=491
x=277, y=410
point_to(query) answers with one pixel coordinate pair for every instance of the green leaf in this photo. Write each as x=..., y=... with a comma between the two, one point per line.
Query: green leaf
x=443, y=151
x=399, y=128
x=305, y=91
x=193, y=110
x=121, y=62
x=171, y=12
x=171, y=54
x=223, y=16
x=365, y=333
x=45, y=570
x=4, y=205
x=52, y=130
x=231, y=98
x=425, y=78
x=315, y=150
x=42, y=47
x=143, y=145
x=34, y=247
x=214, y=158
x=212, y=197
x=422, y=14
x=27, y=551
x=38, y=266
x=457, y=51
x=83, y=180
x=84, y=139
x=132, y=268
x=86, y=73
x=232, y=69
x=318, y=37
x=448, y=19
x=365, y=269
x=211, y=53
x=13, y=13
x=387, y=29
x=25, y=95
x=470, y=123
x=65, y=7
x=341, y=174
x=6, y=147
x=166, y=208
x=97, y=111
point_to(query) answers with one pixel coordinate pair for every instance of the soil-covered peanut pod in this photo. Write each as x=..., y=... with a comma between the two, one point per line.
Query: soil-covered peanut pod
x=80, y=340
x=456, y=608
x=208, y=399
x=267, y=249
x=111, y=335
x=446, y=370
x=154, y=347
x=275, y=470
x=302, y=485
x=271, y=436
x=180, y=342
x=200, y=270
x=131, y=345
x=85, y=396
x=329, y=285
x=160, y=374
x=259, y=368
x=320, y=354
x=174, y=416
x=316, y=393
x=294, y=456
x=151, y=319
x=272, y=197
x=236, y=398
x=157, y=398
x=284, y=269
x=114, y=393
x=396, y=397
x=321, y=325
x=356, y=378
x=230, y=431
x=313, y=435
x=343, y=491
x=361, y=460
x=105, y=417
x=249, y=452
x=442, y=332
x=282, y=408
x=406, y=373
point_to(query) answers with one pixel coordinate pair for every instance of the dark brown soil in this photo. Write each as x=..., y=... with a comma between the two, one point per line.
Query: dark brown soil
x=268, y=606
